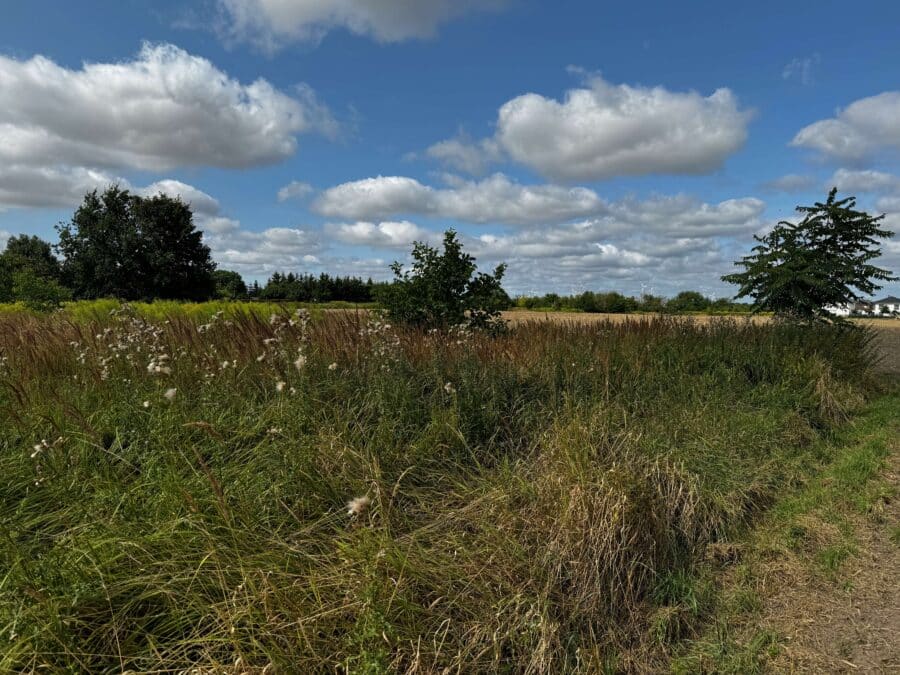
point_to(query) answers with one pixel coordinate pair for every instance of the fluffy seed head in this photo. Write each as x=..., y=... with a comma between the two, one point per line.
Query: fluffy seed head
x=358, y=506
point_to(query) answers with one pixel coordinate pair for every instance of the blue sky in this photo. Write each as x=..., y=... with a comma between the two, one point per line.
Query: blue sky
x=590, y=145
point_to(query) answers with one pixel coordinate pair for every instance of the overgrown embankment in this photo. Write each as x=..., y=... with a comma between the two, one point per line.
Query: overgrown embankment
x=176, y=494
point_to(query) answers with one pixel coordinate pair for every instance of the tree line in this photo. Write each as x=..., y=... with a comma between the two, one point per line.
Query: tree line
x=617, y=303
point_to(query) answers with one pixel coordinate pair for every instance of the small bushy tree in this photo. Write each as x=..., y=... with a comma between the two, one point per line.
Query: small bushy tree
x=30, y=272
x=229, y=285
x=38, y=292
x=443, y=289
x=798, y=270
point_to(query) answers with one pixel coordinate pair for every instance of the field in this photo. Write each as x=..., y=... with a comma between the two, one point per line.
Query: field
x=236, y=492
x=886, y=332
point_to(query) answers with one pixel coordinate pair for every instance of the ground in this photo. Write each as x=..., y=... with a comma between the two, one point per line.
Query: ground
x=851, y=624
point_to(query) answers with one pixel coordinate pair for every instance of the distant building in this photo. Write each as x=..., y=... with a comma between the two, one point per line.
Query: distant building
x=839, y=310
x=888, y=305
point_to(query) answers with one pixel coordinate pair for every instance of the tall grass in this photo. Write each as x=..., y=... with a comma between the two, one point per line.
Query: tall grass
x=524, y=497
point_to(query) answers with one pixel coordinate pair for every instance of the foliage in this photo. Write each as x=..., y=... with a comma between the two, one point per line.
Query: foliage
x=535, y=488
x=688, y=301
x=31, y=253
x=443, y=290
x=130, y=247
x=229, y=285
x=26, y=264
x=616, y=303
x=37, y=292
x=798, y=270
x=322, y=288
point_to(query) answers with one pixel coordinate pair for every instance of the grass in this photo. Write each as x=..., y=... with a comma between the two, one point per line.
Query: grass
x=530, y=502
x=810, y=533
x=160, y=310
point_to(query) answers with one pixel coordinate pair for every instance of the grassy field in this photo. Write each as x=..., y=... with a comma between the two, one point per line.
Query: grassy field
x=250, y=493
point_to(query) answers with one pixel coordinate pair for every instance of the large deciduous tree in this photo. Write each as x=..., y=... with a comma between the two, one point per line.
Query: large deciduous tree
x=122, y=245
x=798, y=270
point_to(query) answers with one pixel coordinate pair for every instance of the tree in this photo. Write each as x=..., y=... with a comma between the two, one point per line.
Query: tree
x=126, y=246
x=37, y=292
x=443, y=290
x=798, y=270
x=688, y=301
x=32, y=253
x=29, y=268
x=229, y=285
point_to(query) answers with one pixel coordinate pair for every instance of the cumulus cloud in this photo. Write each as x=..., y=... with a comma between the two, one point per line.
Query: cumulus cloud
x=25, y=186
x=496, y=199
x=295, y=190
x=388, y=234
x=791, y=182
x=604, y=130
x=272, y=23
x=464, y=154
x=666, y=242
x=849, y=180
x=261, y=253
x=862, y=129
x=200, y=202
x=161, y=110
x=685, y=216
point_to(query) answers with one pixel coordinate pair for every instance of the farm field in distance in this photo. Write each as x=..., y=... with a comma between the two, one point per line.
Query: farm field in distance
x=279, y=491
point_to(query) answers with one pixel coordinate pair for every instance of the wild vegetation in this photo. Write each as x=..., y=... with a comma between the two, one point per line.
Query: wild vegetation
x=287, y=493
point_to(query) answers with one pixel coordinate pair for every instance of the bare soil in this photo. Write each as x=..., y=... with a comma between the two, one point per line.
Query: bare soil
x=849, y=626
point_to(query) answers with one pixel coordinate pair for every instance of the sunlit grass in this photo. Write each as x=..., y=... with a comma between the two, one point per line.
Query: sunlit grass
x=262, y=489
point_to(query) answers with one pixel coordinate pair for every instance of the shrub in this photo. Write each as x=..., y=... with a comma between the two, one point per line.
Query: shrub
x=443, y=290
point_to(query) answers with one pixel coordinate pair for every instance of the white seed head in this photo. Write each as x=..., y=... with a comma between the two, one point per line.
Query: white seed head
x=300, y=362
x=333, y=366
x=279, y=386
x=170, y=394
x=356, y=507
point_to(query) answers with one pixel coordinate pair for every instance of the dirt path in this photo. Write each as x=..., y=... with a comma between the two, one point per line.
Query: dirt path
x=852, y=624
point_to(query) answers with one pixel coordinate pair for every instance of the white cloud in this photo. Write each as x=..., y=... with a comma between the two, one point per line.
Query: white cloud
x=261, y=253
x=464, y=154
x=273, y=23
x=201, y=203
x=862, y=129
x=295, y=190
x=4, y=237
x=791, y=182
x=164, y=109
x=49, y=187
x=607, y=130
x=496, y=199
x=801, y=69
x=684, y=216
x=219, y=225
x=388, y=234
x=848, y=180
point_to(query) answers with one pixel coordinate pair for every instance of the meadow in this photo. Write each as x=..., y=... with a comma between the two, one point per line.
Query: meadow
x=273, y=491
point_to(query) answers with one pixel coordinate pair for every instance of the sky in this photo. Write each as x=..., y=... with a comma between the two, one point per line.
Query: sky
x=600, y=146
